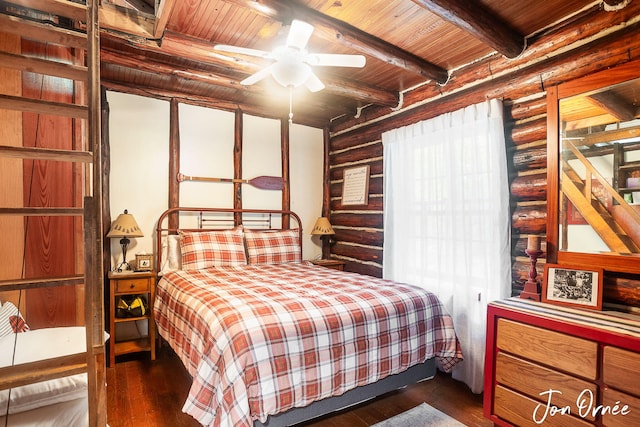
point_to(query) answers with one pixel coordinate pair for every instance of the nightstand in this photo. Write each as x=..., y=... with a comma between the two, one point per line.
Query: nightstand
x=336, y=264
x=128, y=334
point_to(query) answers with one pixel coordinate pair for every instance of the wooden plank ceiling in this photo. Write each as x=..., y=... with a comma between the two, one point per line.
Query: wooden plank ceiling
x=165, y=48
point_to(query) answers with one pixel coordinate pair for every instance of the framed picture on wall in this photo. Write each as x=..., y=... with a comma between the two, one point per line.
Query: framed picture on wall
x=355, y=186
x=573, y=286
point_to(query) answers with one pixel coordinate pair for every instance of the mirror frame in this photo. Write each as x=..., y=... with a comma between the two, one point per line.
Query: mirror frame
x=608, y=77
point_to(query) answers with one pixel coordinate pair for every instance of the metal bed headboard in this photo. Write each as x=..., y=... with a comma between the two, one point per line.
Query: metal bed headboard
x=209, y=219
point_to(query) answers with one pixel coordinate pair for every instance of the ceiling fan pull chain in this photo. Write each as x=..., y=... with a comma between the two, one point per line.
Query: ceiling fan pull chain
x=290, y=104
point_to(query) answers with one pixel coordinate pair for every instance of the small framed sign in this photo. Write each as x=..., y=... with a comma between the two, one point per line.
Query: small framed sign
x=144, y=262
x=574, y=286
x=355, y=186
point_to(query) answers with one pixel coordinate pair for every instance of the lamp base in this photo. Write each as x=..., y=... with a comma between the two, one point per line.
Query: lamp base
x=123, y=266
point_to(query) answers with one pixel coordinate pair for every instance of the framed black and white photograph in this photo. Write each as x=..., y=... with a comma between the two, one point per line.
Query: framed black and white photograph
x=573, y=286
x=144, y=262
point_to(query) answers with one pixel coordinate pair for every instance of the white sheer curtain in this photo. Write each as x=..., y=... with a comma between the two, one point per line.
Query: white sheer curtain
x=446, y=218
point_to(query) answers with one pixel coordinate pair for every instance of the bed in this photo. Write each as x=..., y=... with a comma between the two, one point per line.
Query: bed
x=56, y=402
x=270, y=339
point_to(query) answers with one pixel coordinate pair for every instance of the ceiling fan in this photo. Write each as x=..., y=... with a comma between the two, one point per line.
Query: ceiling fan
x=293, y=64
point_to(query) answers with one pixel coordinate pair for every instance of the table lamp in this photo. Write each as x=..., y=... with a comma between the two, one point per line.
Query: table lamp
x=124, y=226
x=323, y=229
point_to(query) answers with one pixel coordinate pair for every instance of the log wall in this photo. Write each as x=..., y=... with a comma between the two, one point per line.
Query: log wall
x=594, y=41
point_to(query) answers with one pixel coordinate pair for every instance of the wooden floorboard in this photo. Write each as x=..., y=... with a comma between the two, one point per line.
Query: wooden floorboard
x=142, y=393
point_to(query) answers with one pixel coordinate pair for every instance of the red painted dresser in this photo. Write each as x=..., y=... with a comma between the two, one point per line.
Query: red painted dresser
x=557, y=366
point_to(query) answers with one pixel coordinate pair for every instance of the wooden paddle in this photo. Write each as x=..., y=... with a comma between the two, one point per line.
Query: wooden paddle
x=262, y=182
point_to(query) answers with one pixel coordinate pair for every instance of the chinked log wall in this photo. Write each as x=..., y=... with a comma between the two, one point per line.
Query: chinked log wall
x=593, y=41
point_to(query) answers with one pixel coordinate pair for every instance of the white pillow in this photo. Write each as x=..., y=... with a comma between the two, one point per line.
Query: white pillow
x=171, y=256
x=38, y=345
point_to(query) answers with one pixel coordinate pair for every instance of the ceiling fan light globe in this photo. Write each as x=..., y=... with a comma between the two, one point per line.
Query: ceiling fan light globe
x=290, y=73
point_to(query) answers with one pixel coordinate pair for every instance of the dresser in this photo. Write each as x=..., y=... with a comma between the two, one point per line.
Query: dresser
x=558, y=366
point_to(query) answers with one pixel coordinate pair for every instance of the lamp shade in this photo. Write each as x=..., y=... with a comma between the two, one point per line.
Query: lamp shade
x=322, y=227
x=125, y=226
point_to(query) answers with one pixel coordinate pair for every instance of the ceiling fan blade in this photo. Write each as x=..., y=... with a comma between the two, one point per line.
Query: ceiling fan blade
x=242, y=50
x=256, y=77
x=313, y=83
x=335, y=60
x=299, y=34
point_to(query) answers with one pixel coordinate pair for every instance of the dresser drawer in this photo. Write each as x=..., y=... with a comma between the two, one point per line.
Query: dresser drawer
x=535, y=381
x=621, y=369
x=132, y=285
x=519, y=410
x=611, y=398
x=562, y=352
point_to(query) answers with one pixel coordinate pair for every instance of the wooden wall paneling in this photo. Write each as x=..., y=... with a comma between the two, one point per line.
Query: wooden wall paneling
x=81, y=185
x=376, y=202
x=359, y=237
x=525, y=135
x=11, y=170
x=529, y=157
x=597, y=40
x=50, y=246
x=495, y=76
x=529, y=187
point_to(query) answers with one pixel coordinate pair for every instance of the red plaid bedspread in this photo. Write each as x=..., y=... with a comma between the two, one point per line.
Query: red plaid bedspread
x=260, y=339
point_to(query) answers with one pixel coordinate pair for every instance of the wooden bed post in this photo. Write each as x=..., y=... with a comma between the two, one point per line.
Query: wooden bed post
x=174, y=162
x=286, y=193
x=237, y=165
x=326, y=187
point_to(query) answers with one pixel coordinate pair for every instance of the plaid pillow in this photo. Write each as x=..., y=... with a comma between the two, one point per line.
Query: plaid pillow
x=11, y=320
x=212, y=249
x=273, y=247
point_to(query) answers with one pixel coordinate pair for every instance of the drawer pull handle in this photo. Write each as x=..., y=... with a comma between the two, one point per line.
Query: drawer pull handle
x=131, y=286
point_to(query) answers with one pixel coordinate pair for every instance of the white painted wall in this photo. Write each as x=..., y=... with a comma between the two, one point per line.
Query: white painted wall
x=139, y=142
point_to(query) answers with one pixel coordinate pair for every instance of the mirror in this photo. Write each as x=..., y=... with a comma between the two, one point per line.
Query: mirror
x=593, y=210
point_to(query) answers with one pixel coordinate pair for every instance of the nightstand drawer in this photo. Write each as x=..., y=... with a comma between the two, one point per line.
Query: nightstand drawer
x=132, y=285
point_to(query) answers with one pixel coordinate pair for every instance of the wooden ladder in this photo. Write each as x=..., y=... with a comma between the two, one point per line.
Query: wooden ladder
x=73, y=27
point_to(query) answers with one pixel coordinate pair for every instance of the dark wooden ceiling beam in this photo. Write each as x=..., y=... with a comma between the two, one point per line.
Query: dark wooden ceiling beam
x=480, y=22
x=245, y=94
x=299, y=116
x=140, y=62
x=200, y=51
x=348, y=35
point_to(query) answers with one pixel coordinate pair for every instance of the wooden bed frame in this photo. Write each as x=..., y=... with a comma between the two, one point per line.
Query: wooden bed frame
x=220, y=219
x=225, y=218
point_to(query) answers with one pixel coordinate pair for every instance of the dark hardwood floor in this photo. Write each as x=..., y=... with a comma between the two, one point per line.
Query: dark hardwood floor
x=142, y=393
